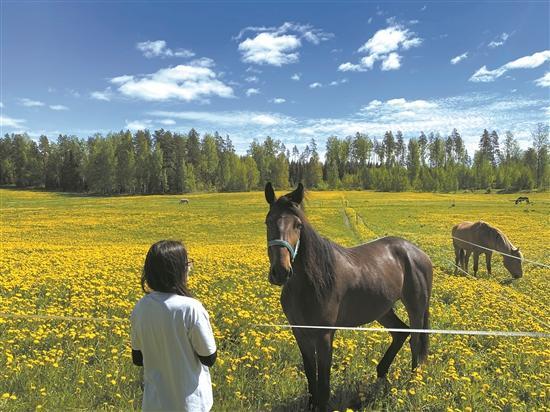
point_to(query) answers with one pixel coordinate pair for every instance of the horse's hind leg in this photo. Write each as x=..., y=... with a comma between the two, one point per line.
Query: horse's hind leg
x=418, y=341
x=390, y=320
x=457, y=258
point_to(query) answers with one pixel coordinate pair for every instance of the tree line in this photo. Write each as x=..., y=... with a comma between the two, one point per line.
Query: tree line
x=167, y=162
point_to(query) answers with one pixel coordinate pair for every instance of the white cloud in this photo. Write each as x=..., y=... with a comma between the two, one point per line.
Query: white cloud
x=459, y=58
x=252, y=92
x=58, y=107
x=315, y=85
x=277, y=46
x=225, y=119
x=167, y=122
x=391, y=62
x=182, y=82
x=350, y=67
x=158, y=48
x=1, y=105
x=105, y=95
x=6, y=121
x=296, y=76
x=543, y=81
x=30, y=103
x=384, y=45
x=390, y=39
x=499, y=41
x=278, y=100
x=527, y=62
x=398, y=107
x=121, y=79
x=338, y=82
x=252, y=79
x=268, y=48
x=134, y=125
x=202, y=62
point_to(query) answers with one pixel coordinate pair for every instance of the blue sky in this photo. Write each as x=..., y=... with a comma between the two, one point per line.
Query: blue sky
x=289, y=70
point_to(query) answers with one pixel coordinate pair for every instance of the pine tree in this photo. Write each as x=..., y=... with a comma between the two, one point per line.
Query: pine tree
x=541, y=147
x=495, y=148
x=400, y=148
x=389, y=148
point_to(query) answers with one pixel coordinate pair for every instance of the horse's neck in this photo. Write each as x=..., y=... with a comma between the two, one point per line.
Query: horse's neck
x=309, y=264
x=502, y=244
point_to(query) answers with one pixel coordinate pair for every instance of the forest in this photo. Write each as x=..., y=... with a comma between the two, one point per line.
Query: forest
x=166, y=162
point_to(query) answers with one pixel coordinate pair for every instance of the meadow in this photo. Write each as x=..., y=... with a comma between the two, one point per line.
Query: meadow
x=70, y=255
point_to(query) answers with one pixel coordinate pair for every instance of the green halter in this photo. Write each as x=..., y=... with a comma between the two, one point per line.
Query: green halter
x=292, y=250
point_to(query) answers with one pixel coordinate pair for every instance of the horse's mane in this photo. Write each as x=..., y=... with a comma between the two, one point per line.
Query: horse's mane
x=500, y=237
x=316, y=252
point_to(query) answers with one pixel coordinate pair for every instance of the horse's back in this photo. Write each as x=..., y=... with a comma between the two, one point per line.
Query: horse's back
x=384, y=271
x=394, y=251
x=466, y=233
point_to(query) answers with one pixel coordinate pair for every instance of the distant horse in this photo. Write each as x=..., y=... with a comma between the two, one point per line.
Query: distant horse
x=482, y=234
x=522, y=199
x=330, y=285
x=184, y=201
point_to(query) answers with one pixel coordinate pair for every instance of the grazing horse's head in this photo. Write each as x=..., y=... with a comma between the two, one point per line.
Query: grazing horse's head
x=283, y=232
x=514, y=264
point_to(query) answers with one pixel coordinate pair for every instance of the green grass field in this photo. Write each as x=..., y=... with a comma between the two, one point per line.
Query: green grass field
x=69, y=255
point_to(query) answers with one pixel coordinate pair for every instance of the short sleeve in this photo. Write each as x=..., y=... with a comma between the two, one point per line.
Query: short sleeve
x=134, y=332
x=200, y=333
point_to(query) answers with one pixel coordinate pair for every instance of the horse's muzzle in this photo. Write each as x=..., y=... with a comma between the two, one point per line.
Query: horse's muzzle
x=279, y=276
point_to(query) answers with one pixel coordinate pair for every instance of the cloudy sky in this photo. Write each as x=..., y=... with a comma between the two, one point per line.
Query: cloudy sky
x=293, y=71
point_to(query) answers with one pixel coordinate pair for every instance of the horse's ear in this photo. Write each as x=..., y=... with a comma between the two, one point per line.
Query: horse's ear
x=297, y=195
x=269, y=193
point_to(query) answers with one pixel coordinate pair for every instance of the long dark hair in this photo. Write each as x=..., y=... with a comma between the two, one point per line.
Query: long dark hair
x=316, y=252
x=166, y=268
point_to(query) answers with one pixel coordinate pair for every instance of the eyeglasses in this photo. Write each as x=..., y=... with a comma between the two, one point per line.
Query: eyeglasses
x=190, y=264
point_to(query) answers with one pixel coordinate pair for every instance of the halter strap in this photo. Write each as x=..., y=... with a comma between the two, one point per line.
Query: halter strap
x=292, y=250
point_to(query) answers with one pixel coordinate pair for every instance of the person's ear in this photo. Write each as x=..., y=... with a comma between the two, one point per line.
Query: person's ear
x=269, y=193
x=297, y=195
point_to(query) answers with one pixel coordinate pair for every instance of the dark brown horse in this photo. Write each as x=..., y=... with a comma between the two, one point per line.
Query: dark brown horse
x=329, y=285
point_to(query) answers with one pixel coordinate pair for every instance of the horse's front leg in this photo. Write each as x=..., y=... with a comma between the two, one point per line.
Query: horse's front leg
x=476, y=263
x=466, y=260
x=324, y=362
x=306, y=343
x=488, y=261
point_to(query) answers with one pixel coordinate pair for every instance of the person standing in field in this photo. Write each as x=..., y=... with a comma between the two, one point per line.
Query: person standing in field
x=171, y=335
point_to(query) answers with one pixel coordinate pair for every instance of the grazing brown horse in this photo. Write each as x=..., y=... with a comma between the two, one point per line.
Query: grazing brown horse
x=329, y=285
x=483, y=234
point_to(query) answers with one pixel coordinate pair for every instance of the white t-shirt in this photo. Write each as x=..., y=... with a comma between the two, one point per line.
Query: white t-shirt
x=171, y=330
